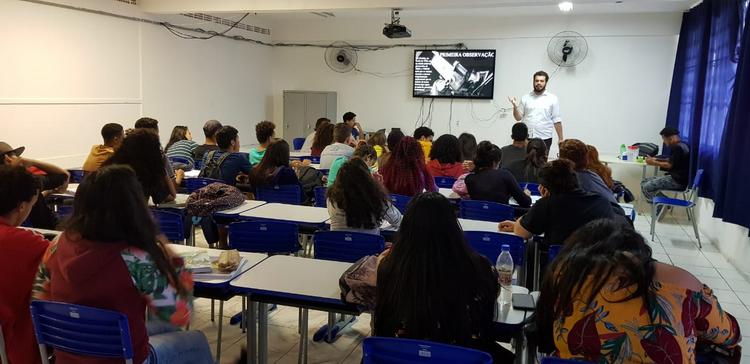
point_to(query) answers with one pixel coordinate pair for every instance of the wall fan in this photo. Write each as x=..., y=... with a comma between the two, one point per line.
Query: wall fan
x=341, y=57
x=567, y=48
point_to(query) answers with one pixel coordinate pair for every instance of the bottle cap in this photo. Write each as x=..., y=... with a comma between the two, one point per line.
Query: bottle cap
x=505, y=247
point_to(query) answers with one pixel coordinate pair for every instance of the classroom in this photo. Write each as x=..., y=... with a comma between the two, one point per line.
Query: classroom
x=328, y=181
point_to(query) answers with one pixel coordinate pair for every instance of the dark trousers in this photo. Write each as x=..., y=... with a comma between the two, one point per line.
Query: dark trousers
x=548, y=142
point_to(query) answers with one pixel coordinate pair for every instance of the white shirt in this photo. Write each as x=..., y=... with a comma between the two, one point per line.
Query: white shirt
x=540, y=113
x=333, y=151
x=307, y=147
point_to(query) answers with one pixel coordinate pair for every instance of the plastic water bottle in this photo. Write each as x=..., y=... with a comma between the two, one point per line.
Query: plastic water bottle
x=623, y=150
x=504, y=267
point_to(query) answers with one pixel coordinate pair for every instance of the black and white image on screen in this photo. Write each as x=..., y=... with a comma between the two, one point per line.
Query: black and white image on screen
x=454, y=73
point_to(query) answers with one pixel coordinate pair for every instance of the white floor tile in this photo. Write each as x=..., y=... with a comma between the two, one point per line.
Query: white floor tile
x=702, y=271
x=745, y=298
x=740, y=312
x=726, y=296
x=716, y=283
x=662, y=258
x=695, y=261
x=738, y=285
x=733, y=274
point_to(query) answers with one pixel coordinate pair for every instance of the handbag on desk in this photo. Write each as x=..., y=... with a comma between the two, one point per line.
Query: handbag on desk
x=214, y=197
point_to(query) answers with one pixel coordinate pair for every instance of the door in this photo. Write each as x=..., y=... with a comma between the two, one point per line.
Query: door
x=294, y=116
x=315, y=108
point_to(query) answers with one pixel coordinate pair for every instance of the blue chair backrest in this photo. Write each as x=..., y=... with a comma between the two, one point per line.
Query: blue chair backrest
x=400, y=202
x=490, y=245
x=199, y=164
x=552, y=253
x=197, y=183
x=264, y=237
x=82, y=330
x=64, y=211
x=320, y=196
x=315, y=159
x=556, y=360
x=532, y=187
x=696, y=184
x=180, y=160
x=445, y=182
x=288, y=194
x=298, y=143
x=76, y=175
x=171, y=224
x=485, y=211
x=388, y=350
x=345, y=246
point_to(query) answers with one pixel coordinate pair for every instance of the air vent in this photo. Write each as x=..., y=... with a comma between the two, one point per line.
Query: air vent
x=227, y=22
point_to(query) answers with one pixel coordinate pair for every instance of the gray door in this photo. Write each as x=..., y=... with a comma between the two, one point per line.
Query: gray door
x=294, y=116
x=315, y=108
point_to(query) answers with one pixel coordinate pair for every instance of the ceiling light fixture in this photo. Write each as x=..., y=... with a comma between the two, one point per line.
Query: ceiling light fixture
x=565, y=6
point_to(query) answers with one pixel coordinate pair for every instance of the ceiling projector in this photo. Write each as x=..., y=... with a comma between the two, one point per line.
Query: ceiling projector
x=395, y=29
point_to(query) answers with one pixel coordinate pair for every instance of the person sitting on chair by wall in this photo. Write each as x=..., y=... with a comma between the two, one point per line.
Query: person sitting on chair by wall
x=677, y=166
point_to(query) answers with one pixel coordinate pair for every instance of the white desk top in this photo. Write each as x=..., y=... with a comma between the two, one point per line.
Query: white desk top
x=534, y=199
x=252, y=259
x=506, y=314
x=297, y=154
x=613, y=159
x=246, y=206
x=449, y=194
x=70, y=192
x=315, y=165
x=42, y=231
x=192, y=173
x=179, y=202
x=289, y=213
x=478, y=225
x=293, y=277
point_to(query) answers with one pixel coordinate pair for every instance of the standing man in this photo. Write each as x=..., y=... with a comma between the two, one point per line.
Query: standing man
x=540, y=111
x=350, y=119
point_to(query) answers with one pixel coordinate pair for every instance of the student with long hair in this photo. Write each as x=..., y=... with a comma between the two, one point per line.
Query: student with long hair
x=142, y=152
x=392, y=140
x=605, y=298
x=274, y=169
x=468, y=144
x=323, y=138
x=405, y=173
x=489, y=182
x=596, y=166
x=377, y=141
x=445, y=157
x=433, y=286
x=527, y=169
x=108, y=257
x=364, y=152
x=356, y=202
x=577, y=152
x=181, y=145
x=307, y=146
x=264, y=132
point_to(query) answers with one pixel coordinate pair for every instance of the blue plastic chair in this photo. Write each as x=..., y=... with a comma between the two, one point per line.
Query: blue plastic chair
x=264, y=237
x=400, y=202
x=387, y=350
x=288, y=194
x=489, y=244
x=485, y=211
x=76, y=175
x=445, y=182
x=688, y=203
x=192, y=184
x=345, y=246
x=320, y=196
x=298, y=143
x=182, y=160
x=533, y=187
x=64, y=212
x=199, y=164
x=552, y=253
x=171, y=224
x=81, y=330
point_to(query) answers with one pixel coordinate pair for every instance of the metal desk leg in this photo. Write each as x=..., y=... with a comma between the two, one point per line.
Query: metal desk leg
x=643, y=175
x=221, y=323
x=519, y=344
x=302, y=356
x=252, y=349
x=262, y=333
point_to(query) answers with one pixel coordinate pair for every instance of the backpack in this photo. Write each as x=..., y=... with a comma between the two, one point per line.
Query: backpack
x=309, y=178
x=647, y=149
x=212, y=169
x=212, y=198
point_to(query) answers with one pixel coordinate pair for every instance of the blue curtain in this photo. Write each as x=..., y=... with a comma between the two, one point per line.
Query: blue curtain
x=732, y=196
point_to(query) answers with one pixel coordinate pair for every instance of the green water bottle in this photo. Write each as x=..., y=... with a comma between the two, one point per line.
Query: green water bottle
x=623, y=149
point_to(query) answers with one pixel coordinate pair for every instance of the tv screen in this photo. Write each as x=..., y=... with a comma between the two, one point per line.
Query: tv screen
x=459, y=73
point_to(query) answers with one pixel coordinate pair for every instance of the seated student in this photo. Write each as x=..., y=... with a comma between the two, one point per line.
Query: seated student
x=21, y=251
x=377, y=141
x=140, y=150
x=577, y=152
x=264, y=132
x=181, y=144
x=307, y=146
x=175, y=176
x=209, y=131
x=364, y=152
x=527, y=169
x=412, y=276
x=356, y=202
x=517, y=150
x=274, y=169
x=393, y=138
x=226, y=164
x=350, y=119
x=563, y=208
x=424, y=136
x=323, y=138
x=405, y=173
x=109, y=257
x=605, y=296
x=445, y=157
x=468, y=144
x=677, y=167
x=342, y=137
x=53, y=178
x=596, y=166
x=112, y=134
x=490, y=183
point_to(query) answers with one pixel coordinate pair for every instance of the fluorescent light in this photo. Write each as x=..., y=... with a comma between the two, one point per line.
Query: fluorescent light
x=565, y=6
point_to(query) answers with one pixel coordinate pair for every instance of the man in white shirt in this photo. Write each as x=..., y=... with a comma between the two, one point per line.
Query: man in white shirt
x=540, y=111
x=307, y=147
x=342, y=137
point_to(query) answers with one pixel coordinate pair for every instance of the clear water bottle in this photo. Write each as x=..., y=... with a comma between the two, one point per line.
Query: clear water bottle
x=504, y=266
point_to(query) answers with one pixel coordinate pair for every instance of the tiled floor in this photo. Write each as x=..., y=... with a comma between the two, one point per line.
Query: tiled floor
x=675, y=243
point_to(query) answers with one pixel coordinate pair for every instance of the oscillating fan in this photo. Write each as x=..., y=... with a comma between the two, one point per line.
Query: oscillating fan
x=341, y=57
x=567, y=49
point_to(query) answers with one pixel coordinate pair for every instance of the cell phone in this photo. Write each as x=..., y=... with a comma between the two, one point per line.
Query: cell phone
x=523, y=301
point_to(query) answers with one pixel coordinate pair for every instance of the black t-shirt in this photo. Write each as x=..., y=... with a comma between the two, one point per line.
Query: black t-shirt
x=496, y=185
x=679, y=158
x=523, y=171
x=201, y=150
x=558, y=216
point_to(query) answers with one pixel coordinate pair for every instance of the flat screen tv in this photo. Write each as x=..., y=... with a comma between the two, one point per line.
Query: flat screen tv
x=458, y=73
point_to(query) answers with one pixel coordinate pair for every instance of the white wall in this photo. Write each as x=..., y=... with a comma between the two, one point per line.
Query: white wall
x=66, y=73
x=730, y=239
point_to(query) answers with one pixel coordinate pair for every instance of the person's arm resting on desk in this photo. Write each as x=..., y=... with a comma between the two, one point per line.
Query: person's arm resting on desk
x=662, y=164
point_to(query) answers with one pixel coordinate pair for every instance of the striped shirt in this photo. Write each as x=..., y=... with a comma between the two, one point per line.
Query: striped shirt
x=182, y=149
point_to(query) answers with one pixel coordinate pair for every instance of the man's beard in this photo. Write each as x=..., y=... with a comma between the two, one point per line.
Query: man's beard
x=537, y=90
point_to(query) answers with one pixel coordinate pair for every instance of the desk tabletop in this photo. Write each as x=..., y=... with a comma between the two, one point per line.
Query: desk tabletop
x=298, y=155
x=192, y=173
x=534, y=199
x=449, y=194
x=251, y=260
x=290, y=213
x=506, y=314
x=295, y=278
x=245, y=206
x=179, y=202
x=70, y=192
x=613, y=159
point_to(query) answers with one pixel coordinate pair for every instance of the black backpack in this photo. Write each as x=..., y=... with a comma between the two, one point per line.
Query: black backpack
x=647, y=149
x=212, y=169
x=309, y=178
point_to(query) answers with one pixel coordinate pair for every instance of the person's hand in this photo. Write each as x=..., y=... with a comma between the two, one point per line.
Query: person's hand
x=295, y=164
x=513, y=100
x=506, y=226
x=560, y=141
x=651, y=161
x=527, y=192
x=306, y=162
x=469, y=165
x=179, y=174
x=243, y=178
